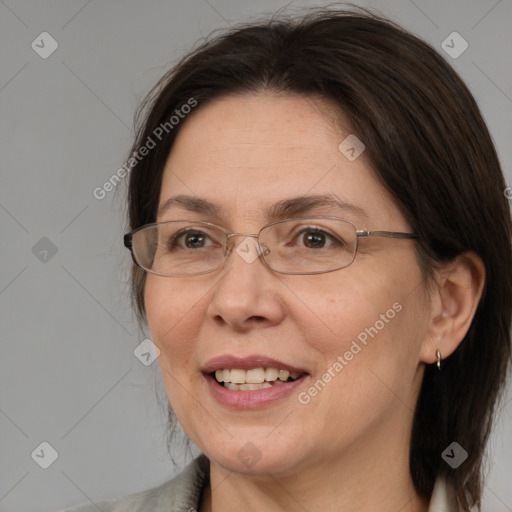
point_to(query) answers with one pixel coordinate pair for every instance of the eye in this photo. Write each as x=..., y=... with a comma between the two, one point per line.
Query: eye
x=314, y=238
x=192, y=239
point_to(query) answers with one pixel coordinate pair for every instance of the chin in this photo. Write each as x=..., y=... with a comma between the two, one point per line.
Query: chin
x=255, y=453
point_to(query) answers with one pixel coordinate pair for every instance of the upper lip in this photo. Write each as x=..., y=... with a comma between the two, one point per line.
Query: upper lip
x=247, y=363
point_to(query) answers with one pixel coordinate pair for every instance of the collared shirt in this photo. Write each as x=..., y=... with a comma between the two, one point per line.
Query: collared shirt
x=183, y=494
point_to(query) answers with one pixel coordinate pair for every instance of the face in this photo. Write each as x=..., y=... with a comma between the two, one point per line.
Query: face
x=354, y=335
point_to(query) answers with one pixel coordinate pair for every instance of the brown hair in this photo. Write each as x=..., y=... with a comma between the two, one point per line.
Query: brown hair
x=430, y=148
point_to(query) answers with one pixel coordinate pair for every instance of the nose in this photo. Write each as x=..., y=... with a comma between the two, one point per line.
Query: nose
x=247, y=292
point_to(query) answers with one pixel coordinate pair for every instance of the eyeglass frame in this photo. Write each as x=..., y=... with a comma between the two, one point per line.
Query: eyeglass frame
x=360, y=233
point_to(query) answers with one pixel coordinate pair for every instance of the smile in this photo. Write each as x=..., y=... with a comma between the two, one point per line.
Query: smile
x=254, y=378
x=253, y=381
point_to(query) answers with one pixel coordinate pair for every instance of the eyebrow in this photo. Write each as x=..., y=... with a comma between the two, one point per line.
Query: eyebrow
x=290, y=207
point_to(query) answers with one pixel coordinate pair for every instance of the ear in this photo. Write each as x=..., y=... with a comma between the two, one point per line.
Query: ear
x=453, y=302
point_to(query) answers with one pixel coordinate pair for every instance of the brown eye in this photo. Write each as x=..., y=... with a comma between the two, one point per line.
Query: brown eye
x=190, y=239
x=194, y=240
x=312, y=238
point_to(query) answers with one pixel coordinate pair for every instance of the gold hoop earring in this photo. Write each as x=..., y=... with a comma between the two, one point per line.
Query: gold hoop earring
x=438, y=359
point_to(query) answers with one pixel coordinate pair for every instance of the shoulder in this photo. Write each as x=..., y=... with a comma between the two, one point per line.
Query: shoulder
x=443, y=497
x=181, y=493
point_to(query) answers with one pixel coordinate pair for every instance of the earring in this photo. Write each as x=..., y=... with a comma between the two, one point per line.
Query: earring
x=438, y=359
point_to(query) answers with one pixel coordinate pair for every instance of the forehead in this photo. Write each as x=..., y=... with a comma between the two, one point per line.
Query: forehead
x=263, y=128
x=248, y=152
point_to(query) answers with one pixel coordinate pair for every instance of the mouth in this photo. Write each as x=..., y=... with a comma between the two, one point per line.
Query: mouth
x=251, y=382
x=237, y=379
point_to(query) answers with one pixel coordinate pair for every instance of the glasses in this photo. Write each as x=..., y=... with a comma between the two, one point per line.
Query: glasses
x=302, y=245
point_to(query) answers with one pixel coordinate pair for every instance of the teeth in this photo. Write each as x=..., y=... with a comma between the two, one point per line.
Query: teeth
x=253, y=387
x=246, y=387
x=255, y=378
x=271, y=374
x=283, y=375
x=237, y=376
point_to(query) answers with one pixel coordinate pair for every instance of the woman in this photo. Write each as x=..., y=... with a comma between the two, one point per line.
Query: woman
x=321, y=247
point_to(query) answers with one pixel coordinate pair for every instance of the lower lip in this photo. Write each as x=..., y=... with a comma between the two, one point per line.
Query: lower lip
x=252, y=399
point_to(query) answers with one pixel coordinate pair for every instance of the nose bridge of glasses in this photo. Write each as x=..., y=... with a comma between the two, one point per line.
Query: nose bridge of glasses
x=229, y=247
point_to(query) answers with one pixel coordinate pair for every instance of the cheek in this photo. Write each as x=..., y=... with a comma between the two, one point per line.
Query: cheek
x=171, y=311
x=369, y=355
x=347, y=310
x=370, y=320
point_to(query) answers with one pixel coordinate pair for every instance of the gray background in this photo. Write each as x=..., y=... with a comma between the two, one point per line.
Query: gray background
x=68, y=375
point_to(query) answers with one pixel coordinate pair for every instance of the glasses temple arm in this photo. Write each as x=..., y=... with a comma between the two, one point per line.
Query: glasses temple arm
x=127, y=239
x=385, y=234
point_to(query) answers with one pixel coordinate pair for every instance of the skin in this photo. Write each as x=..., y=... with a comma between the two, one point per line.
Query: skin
x=348, y=449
